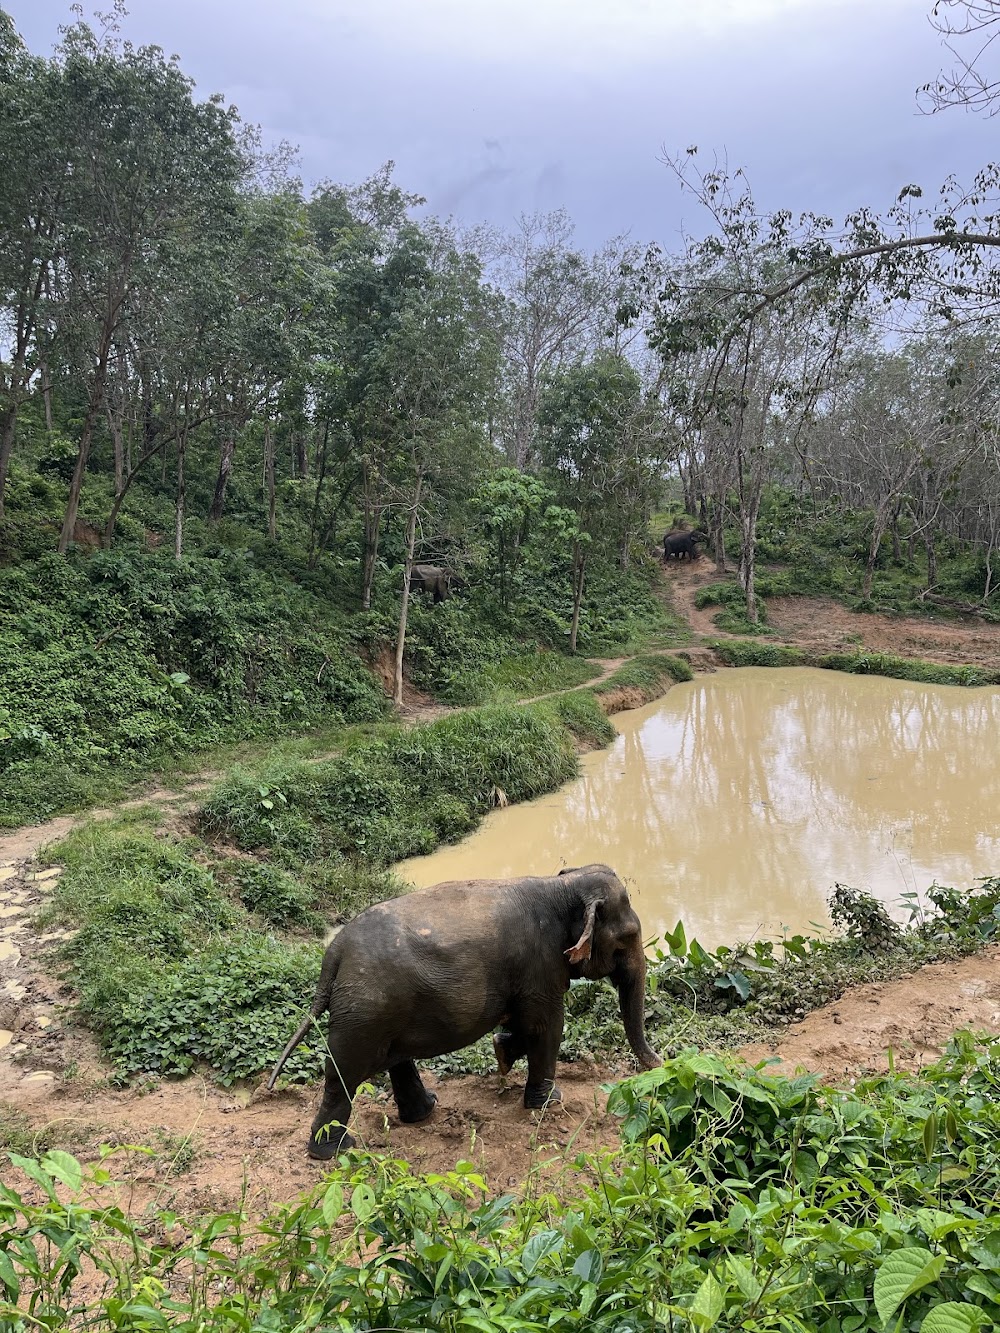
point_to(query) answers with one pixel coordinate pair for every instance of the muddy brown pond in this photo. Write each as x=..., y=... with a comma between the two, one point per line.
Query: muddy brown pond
x=739, y=799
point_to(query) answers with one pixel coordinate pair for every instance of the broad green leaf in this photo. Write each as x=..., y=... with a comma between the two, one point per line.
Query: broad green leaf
x=902, y=1273
x=709, y=1302
x=930, y=1135
x=35, y=1171
x=333, y=1202
x=64, y=1167
x=9, y=1277
x=545, y=1242
x=953, y=1317
x=742, y=1274
x=589, y=1266
x=362, y=1202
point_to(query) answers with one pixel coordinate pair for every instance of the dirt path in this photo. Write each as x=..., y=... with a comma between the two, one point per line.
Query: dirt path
x=822, y=625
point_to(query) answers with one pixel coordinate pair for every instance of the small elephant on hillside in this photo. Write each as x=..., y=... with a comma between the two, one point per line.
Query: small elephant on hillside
x=681, y=544
x=435, y=579
x=436, y=969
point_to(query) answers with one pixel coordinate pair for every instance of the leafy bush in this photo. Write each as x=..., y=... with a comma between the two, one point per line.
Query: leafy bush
x=397, y=795
x=737, y=653
x=736, y=1201
x=274, y=894
x=230, y=1007
x=903, y=668
x=113, y=660
x=648, y=673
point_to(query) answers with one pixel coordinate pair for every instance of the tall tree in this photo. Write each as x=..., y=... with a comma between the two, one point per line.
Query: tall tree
x=592, y=424
x=148, y=167
x=34, y=173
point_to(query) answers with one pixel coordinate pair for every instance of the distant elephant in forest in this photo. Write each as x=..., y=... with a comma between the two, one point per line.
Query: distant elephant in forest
x=681, y=544
x=436, y=969
x=434, y=579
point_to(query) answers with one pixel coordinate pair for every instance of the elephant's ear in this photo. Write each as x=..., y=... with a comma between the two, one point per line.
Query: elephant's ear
x=580, y=952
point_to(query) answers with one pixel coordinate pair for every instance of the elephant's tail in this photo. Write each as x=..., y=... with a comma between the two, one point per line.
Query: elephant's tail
x=319, y=1007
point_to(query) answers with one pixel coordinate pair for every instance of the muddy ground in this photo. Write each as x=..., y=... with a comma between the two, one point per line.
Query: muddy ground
x=206, y=1145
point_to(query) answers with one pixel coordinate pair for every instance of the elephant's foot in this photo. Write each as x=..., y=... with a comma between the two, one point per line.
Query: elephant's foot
x=416, y=1111
x=326, y=1149
x=328, y=1139
x=539, y=1095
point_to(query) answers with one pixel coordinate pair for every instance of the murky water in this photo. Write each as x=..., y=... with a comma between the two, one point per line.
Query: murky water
x=738, y=800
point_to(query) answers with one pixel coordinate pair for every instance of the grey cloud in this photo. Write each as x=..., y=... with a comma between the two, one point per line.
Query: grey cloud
x=817, y=105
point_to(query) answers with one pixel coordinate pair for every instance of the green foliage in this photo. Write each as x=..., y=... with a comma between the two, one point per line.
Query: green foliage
x=230, y=1007
x=581, y=714
x=905, y=668
x=649, y=673
x=274, y=894
x=737, y=653
x=113, y=660
x=737, y=1200
x=861, y=663
x=399, y=794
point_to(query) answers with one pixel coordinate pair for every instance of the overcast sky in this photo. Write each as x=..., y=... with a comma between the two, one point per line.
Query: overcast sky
x=491, y=108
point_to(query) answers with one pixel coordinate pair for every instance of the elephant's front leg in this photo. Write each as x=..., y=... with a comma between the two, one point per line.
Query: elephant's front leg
x=543, y=1051
x=413, y=1101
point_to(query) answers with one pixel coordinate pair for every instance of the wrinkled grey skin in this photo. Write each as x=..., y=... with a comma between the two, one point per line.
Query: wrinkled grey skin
x=681, y=544
x=436, y=969
x=434, y=579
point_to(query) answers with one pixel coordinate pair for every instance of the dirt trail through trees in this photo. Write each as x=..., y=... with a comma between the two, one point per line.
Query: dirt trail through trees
x=204, y=1142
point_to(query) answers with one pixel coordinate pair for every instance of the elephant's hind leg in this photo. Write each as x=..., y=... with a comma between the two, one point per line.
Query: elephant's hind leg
x=413, y=1100
x=508, y=1047
x=329, y=1135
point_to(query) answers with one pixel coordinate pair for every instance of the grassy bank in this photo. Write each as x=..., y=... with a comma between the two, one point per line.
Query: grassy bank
x=737, y=653
x=188, y=955
x=736, y=1201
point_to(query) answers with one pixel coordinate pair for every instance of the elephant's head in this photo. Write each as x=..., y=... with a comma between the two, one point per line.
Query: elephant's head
x=608, y=943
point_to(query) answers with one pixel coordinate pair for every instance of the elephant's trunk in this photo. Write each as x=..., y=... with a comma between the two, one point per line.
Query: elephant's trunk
x=631, y=983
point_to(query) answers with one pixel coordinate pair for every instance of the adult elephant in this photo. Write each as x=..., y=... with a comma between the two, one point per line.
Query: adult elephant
x=435, y=579
x=436, y=969
x=681, y=544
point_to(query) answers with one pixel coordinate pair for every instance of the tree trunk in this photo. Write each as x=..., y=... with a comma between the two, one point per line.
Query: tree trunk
x=897, y=550
x=372, y=529
x=86, y=438
x=931, y=550
x=225, y=469
x=301, y=455
x=716, y=528
x=272, y=530
x=7, y=432
x=179, y=511
x=404, y=609
x=874, y=546
x=115, y=427
x=579, y=571
x=47, y=395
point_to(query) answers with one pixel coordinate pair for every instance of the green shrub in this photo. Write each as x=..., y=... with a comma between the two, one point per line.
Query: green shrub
x=649, y=673
x=231, y=1007
x=737, y=1201
x=273, y=894
x=738, y=653
x=397, y=795
x=115, y=660
x=904, y=668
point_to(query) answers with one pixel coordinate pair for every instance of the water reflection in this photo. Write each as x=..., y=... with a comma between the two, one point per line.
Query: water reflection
x=737, y=800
